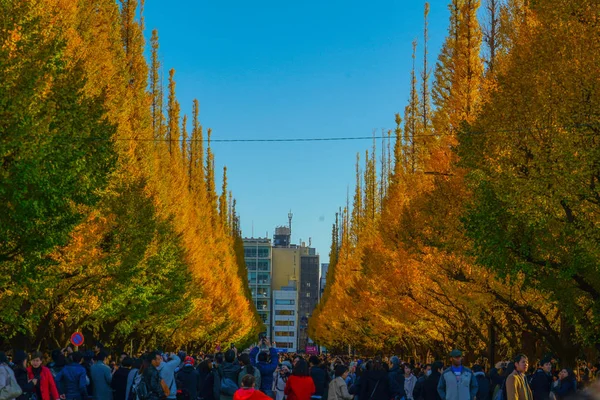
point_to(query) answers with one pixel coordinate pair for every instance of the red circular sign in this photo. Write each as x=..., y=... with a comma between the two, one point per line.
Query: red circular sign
x=77, y=339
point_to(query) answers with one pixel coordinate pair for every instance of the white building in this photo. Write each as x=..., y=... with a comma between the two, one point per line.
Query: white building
x=285, y=317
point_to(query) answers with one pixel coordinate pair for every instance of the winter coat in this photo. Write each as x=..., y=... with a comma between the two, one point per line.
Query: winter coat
x=483, y=386
x=430, y=386
x=517, y=387
x=418, y=390
x=320, y=379
x=26, y=386
x=188, y=379
x=46, y=383
x=375, y=385
x=119, y=383
x=540, y=385
x=225, y=370
x=396, y=377
x=462, y=388
x=102, y=378
x=152, y=379
x=207, y=382
x=256, y=373
x=250, y=394
x=167, y=374
x=409, y=386
x=72, y=382
x=133, y=373
x=279, y=384
x=566, y=387
x=299, y=388
x=6, y=376
x=338, y=390
x=266, y=368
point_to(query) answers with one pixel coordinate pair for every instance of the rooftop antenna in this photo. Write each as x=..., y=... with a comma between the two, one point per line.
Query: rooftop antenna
x=309, y=242
x=290, y=216
x=252, y=228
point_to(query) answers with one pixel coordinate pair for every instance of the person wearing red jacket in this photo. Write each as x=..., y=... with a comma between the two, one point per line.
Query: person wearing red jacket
x=42, y=379
x=248, y=392
x=300, y=386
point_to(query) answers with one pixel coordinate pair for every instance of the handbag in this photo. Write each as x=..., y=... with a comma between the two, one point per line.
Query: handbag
x=12, y=389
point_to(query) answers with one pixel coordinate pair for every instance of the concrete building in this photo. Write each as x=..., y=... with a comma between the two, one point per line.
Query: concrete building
x=257, y=254
x=285, y=317
x=308, y=294
x=323, y=280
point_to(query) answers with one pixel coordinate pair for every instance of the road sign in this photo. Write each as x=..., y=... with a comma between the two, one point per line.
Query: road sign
x=77, y=339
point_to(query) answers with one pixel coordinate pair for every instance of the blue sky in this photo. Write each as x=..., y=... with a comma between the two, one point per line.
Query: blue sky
x=282, y=69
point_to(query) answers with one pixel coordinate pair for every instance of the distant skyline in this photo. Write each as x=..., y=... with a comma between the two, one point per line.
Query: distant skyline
x=266, y=70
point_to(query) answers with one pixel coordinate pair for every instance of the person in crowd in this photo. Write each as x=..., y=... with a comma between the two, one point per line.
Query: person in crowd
x=281, y=376
x=101, y=377
x=166, y=370
x=267, y=364
x=541, y=381
x=396, y=378
x=156, y=386
x=41, y=378
x=483, y=383
x=206, y=379
x=517, y=387
x=319, y=376
x=248, y=369
x=457, y=382
x=338, y=388
x=71, y=381
x=351, y=376
x=566, y=386
x=430, y=386
x=133, y=374
x=20, y=369
x=247, y=390
x=58, y=362
x=418, y=392
x=410, y=381
x=188, y=379
x=119, y=379
x=300, y=385
x=88, y=361
x=8, y=381
x=226, y=369
x=375, y=383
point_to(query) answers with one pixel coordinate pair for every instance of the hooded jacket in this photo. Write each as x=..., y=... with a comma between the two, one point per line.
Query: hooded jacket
x=167, y=374
x=540, y=384
x=375, y=385
x=483, y=386
x=188, y=379
x=225, y=370
x=396, y=377
x=72, y=382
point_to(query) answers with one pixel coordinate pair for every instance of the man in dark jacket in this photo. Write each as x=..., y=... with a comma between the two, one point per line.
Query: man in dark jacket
x=188, y=378
x=71, y=380
x=541, y=380
x=119, y=379
x=375, y=383
x=226, y=370
x=267, y=364
x=431, y=383
x=319, y=377
x=396, y=377
x=155, y=385
x=483, y=383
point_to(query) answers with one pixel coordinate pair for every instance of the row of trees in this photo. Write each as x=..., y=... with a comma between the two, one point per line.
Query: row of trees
x=479, y=229
x=111, y=223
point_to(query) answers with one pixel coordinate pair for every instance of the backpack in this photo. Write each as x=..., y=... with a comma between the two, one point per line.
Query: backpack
x=228, y=386
x=139, y=389
x=12, y=389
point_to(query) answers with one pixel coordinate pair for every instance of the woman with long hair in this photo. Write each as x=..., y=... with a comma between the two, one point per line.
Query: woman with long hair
x=300, y=385
x=566, y=385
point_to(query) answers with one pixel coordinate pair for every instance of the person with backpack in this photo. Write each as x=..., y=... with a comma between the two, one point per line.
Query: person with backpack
x=457, y=382
x=9, y=388
x=72, y=379
x=375, y=382
x=248, y=369
x=167, y=374
x=151, y=386
x=541, y=381
x=516, y=385
x=300, y=385
x=247, y=390
x=226, y=376
x=188, y=380
x=20, y=370
x=134, y=372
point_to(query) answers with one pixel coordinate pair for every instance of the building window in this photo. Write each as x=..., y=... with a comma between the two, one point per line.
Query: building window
x=263, y=252
x=281, y=302
x=307, y=294
x=284, y=323
x=285, y=333
x=284, y=312
x=307, y=284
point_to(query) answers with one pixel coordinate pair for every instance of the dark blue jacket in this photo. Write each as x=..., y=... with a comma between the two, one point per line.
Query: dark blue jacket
x=320, y=379
x=71, y=381
x=566, y=387
x=266, y=369
x=540, y=384
x=483, y=386
x=396, y=377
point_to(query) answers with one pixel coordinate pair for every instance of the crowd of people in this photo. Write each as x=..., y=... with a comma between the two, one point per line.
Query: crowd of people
x=263, y=374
